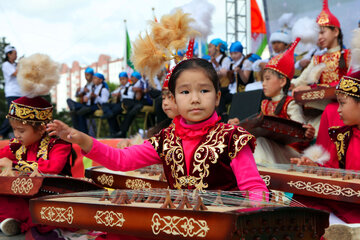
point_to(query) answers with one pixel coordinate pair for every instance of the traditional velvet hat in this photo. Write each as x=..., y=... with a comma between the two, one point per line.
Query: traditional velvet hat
x=326, y=18
x=284, y=62
x=37, y=74
x=350, y=84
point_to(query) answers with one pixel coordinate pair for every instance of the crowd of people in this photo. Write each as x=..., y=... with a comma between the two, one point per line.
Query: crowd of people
x=191, y=110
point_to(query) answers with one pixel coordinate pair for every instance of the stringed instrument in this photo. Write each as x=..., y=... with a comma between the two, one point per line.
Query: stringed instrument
x=22, y=185
x=315, y=94
x=329, y=183
x=174, y=214
x=281, y=130
x=143, y=178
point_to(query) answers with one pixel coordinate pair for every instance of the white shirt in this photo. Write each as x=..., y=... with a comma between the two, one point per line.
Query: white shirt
x=247, y=66
x=253, y=86
x=12, y=87
x=101, y=98
x=225, y=64
x=130, y=93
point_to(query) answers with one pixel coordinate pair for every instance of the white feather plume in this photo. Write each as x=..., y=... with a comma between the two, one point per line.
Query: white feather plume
x=37, y=74
x=317, y=154
x=355, y=51
x=201, y=11
x=286, y=21
x=315, y=73
x=308, y=30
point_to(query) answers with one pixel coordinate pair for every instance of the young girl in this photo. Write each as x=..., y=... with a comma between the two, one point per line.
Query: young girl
x=344, y=151
x=276, y=82
x=31, y=148
x=333, y=64
x=195, y=149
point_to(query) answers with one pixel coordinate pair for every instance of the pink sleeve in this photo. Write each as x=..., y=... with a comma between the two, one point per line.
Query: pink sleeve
x=247, y=175
x=58, y=156
x=127, y=159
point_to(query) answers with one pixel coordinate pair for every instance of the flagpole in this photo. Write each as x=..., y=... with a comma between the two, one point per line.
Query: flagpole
x=125, y=50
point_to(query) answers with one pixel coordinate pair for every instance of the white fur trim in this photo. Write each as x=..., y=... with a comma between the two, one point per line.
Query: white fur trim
x=315, y=73
x=280, y=36
x=317, y=154
x=355, y=51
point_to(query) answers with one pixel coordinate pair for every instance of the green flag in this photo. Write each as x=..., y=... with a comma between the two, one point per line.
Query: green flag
x=128, y=50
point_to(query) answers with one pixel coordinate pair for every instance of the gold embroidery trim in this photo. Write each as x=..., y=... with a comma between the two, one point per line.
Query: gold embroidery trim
x=340, y=146
x=323, y=18
x=26, y=112
x=348, y=85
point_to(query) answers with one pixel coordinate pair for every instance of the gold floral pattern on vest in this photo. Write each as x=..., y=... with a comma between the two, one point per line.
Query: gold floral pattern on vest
x=20, y=150
x=223, y=141
x=332, y=73
x=341, y=138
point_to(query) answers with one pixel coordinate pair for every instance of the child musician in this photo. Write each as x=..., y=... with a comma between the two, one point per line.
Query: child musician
x=276, y=82
x=331, y=65
x=31, y=149
x=344, y=151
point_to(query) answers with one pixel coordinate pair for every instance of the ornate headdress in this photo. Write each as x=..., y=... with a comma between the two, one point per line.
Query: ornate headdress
x=284, y=62
x=350, y=84
x=150, y=53
x=37, y=75
x=326, y=18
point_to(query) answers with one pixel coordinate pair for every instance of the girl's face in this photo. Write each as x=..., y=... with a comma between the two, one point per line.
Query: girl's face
x=26, y=133
x=123, y=81
x=134, y=80
x=349, y=110
x=195, y=96
x=272, y=84
x=88, y=77
x=12, y=56
x=236, y=56
x=328, y=37
x=169, y=106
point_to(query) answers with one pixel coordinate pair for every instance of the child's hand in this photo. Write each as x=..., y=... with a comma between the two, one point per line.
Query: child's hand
x=303, y=161
x=69, y=134
x=234, y=121
x=63, y=131
x=310, y=131
x=5, y=162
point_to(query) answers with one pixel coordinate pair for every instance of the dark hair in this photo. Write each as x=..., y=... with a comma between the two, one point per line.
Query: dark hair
x=7, y=57
x=194, y=63
x=342, y=63
x=285, y=90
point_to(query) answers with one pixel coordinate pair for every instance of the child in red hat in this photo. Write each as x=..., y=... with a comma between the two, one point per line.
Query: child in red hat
x=32, y=150
x=276, y=82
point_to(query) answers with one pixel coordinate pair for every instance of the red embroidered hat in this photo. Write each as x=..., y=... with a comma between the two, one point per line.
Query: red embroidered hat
x=31, y=110
x=36, y=76
x=188, y=55
x=284, y=62
x=326, y=18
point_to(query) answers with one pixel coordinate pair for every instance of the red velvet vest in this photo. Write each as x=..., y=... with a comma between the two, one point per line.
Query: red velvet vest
x=341, y=137
x=332, y=73
x=268, y=107
x=210, y=165
x=45, y=146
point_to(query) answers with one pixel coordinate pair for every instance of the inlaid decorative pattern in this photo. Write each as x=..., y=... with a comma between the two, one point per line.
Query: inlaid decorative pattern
x=324, y=188
x=22, y=185
x=137, y=184
x=109, y=218
x=55, y=214
x=106, y=179
x=313, y=95
x=266, y=179
x=173, y=225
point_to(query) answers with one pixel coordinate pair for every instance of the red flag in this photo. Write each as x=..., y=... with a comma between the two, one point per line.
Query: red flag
x=257, y=21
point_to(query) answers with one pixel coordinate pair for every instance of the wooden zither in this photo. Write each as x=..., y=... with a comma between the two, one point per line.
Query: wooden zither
x=175, y=214
x=329, y=183
x=143, y=178
x=281, y=130
x=315, y=94
x=25, y=186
